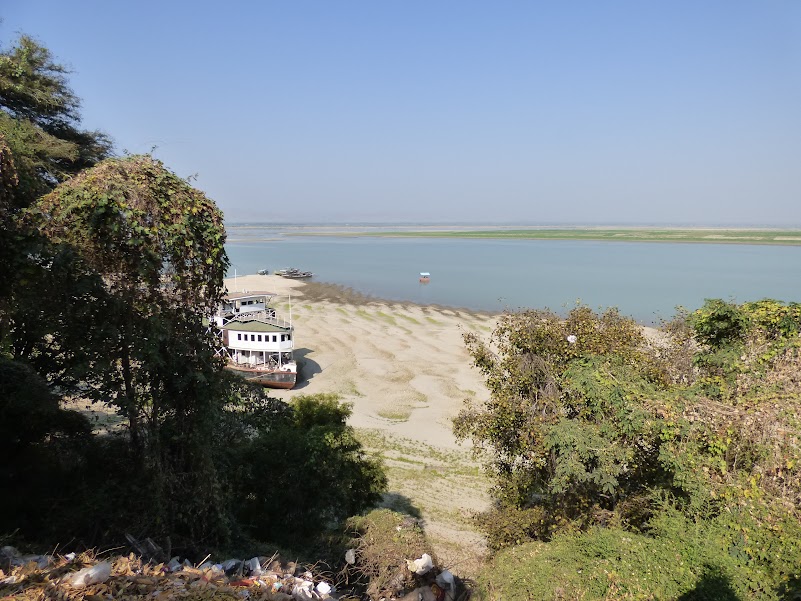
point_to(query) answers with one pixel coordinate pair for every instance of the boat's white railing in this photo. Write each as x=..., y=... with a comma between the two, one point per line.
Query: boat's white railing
x=269, y=362
x=263, y=316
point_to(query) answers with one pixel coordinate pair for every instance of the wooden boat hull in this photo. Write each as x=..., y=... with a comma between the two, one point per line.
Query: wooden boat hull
x=270, y=379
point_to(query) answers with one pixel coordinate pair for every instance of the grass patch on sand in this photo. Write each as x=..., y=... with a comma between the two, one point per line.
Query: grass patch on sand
x=364, y=314
x=457, y=462
x=400, y=376
x=349, y=388
x=396, y=414
x=419, y=397
x=343, y=311
x=408, y=318
x=431, y=320
x=388, y=318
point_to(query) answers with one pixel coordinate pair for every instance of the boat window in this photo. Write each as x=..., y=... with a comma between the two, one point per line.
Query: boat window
x=259, y=337
x=239, y=336
x=253, y=337
x=289, y=336
x=275, y=338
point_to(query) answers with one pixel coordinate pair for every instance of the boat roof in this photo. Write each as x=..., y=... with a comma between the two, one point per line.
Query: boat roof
x=254, y=325
x=424, y=273
x=248, y=294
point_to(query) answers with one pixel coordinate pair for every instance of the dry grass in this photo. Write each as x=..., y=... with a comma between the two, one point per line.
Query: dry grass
x=385, y=541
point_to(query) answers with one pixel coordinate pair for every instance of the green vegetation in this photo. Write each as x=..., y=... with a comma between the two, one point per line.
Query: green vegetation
x=711, y=235
x=310, y=445
x=113, y=265
x=397, y=414
x=644, y=468
x=386, y=317
x=408, y=318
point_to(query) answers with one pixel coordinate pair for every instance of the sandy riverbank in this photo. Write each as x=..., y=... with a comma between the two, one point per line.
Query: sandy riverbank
x=403, y=366
x=406, y=371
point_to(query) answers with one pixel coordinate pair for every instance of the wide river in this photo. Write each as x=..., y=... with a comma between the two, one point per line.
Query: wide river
x=646, y=281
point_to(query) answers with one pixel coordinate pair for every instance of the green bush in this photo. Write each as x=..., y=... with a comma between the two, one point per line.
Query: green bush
x=722, y=559
x=42, y=448
x=303, y=474
x=718, y=323
x=573, y=422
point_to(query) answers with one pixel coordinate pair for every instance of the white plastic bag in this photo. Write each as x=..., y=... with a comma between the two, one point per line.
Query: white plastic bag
x=420, y=566
x=94, y=575
x=323, y=588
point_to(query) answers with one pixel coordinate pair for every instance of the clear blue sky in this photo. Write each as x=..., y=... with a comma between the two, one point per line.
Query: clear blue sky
x=680, y=112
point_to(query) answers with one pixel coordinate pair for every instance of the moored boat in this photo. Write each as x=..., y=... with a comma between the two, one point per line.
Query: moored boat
x=256, y=343
x=293, y=272
x=425, y=277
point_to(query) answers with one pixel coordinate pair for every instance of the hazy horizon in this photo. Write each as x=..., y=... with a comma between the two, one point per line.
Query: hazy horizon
x=523, y=224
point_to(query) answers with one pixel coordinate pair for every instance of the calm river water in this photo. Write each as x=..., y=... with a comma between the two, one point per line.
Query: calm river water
x=646, y=281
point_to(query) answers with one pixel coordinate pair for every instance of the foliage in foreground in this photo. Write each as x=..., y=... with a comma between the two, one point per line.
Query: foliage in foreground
x=592, y=425
x=112, y=266
x=303, y=474
x=721, y=558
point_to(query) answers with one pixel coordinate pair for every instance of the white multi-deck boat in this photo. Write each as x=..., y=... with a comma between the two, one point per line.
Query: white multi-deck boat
x=257, y=345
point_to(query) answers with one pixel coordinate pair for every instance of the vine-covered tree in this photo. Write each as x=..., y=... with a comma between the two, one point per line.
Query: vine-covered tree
x=155, y=247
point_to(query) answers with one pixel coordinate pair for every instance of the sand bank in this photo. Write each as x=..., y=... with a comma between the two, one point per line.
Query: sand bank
x=406, y=371
x=403, y=366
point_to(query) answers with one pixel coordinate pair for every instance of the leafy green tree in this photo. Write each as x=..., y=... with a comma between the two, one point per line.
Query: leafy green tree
x=158, y=246
x=40, y=120
x=41, y=144
x=568, y=425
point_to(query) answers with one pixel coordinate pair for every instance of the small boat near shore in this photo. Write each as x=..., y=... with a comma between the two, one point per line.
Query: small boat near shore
x=293, y=272
x=425, y=277
x=257, y=344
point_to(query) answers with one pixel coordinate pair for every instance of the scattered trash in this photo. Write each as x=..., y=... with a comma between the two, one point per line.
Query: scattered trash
x=420, y=566
x=255, y=579
x=97, y=574
x=11, y=557
x=572, y=339
x=445, y=579
x=303, y=590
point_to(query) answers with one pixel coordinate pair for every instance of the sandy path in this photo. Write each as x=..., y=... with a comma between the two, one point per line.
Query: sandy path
x=407, y=373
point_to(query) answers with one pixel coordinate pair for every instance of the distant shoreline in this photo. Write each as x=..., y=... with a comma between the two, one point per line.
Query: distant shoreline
x=699, y=235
